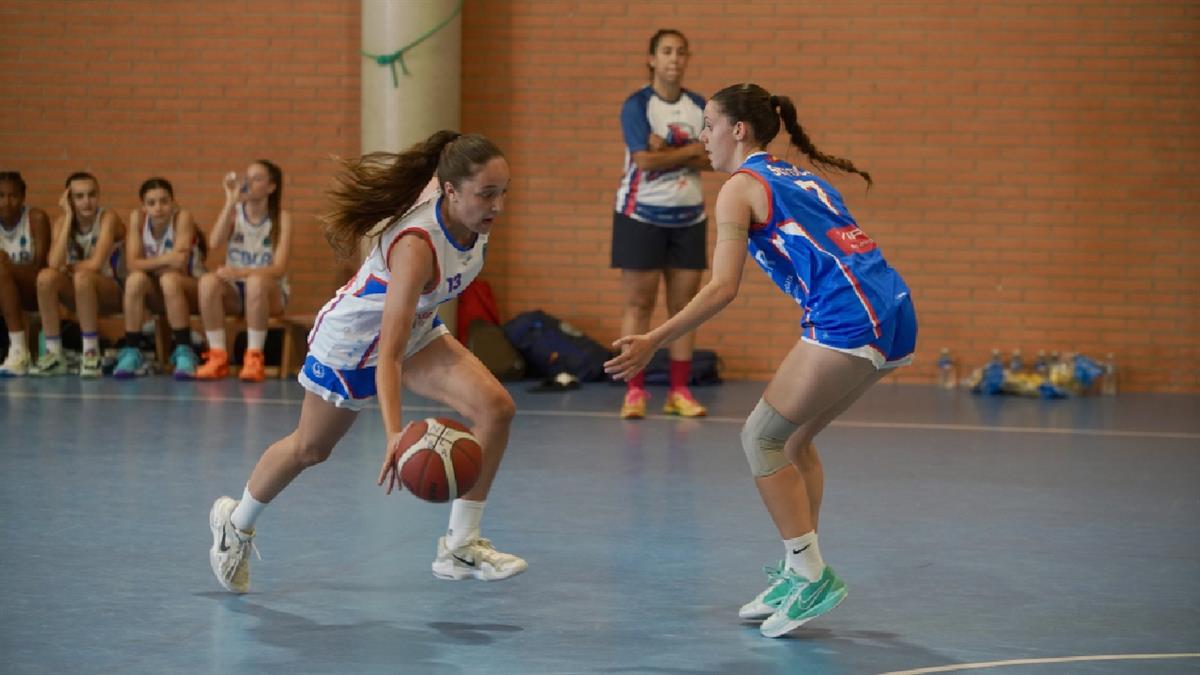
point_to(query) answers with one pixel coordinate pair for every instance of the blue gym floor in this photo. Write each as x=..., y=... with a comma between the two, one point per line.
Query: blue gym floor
x=968, y=529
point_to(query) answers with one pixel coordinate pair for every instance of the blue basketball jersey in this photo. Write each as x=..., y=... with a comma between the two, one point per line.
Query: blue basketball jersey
x=671, y=198
x=813, y=250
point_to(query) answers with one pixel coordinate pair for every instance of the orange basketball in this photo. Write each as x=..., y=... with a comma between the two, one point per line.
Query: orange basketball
x=440, y=459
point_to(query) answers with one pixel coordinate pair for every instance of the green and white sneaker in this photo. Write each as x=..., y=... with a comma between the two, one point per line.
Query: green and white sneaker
x=807, y=601
x=16, y=364
x=477, y=558
x=764, y=604
x=49, y=365
x=90, y=365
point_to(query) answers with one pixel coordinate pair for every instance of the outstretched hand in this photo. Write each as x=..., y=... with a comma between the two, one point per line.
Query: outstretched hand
x=635, y=353
x=390, y=470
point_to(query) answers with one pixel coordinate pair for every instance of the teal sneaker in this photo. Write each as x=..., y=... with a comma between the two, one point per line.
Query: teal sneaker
x=779, y=586
x=49, y=365
x=807, y=601
x=129, y=364
x=184, y=361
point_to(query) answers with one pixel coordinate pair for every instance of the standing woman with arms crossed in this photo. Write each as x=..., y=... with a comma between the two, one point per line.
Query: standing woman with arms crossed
x=659, y=223
x=252, y=280
x=381, y=330
x=82, y=273
x=165, y=256
x=24, y=247
x=858, y=324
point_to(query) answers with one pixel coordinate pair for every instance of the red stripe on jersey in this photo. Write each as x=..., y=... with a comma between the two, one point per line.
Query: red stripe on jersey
x=370, y=348
x=631, y=198
x=437, y=270
x=770, y=198
x=862, y=297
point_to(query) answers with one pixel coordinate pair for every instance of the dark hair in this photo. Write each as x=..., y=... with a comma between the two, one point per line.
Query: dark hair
x=275, y=199
x=159, y=183
x=14, y=177
x=756, y=106
x=657, y=37
x=382, y=185
x=155, y=183
x=76, y=249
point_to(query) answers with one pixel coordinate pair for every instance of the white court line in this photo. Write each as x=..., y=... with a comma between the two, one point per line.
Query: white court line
x=1026, y=662
x=1109, y=433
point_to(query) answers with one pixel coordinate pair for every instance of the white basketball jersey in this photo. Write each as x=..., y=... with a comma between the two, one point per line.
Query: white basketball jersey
x=250, y=244
x=346, y=332
x=86, y=243
x=152, y=247
x=18, y=242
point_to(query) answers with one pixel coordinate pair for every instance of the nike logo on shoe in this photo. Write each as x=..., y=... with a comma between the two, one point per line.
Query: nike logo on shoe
x=223, y=547
x=469, y=562
x=802, y=550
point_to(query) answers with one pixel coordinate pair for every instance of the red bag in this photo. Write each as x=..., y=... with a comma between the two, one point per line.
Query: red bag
x=476, y=302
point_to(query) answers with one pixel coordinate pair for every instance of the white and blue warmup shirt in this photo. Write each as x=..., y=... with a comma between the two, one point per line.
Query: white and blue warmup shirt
x=666, y=198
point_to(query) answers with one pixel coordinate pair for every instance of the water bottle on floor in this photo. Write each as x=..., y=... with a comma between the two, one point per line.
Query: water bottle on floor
x=1108, y=385
x=947, y=377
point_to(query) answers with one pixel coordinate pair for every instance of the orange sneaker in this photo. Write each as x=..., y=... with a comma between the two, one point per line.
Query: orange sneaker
x=215, y=366
x=253, y=366
x=634, y=407
x=680, y=402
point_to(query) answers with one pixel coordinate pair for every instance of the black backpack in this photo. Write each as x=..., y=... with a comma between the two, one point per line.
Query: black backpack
x=551, y=346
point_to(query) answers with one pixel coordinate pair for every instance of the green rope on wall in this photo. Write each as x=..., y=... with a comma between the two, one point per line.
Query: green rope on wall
x=390, y=60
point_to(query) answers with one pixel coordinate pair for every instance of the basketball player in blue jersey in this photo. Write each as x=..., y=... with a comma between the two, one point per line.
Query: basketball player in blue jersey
x=858, y=323
x=257, y=235
x=659, y=224
x=83, y=273
x=165, y=258
x=381, y=330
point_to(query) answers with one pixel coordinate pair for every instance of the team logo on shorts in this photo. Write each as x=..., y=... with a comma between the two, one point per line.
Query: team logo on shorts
x=318, y=369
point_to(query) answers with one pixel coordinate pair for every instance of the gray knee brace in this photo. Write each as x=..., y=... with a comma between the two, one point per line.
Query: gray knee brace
x=763, y=438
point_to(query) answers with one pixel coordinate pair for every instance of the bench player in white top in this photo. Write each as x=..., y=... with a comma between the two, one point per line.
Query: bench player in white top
x=257, y=234
x=164, y=255
x=83, y=273
x=24, y=247
x=381, y=330
x=858, y=323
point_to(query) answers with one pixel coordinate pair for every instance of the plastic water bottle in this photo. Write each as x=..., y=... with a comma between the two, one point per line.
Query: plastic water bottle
x=1015, y=363
x=996, y=360
x=1041, y=366
x=1108, y=385
x=947, y=377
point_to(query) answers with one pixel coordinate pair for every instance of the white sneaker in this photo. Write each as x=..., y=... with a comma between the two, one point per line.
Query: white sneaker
x=475, y=559
x=230, y=552
x=779, y=587
x=90, y=366
x=16, y=365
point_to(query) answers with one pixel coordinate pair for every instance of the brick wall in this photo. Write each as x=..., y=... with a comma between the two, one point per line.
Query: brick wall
x=189, y=91
x=1035, y=163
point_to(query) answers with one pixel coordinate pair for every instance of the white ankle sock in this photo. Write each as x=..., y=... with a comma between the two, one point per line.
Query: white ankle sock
x=91, y=343
x=464, y=522
x=804, y=557
x=216, y=338
x=16, y=342
x=54, y=344
x=256, y=339
x=247, y=511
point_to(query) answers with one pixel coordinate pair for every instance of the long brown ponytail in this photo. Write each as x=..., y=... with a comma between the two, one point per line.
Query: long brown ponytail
x=756, y=106
x=382, y=185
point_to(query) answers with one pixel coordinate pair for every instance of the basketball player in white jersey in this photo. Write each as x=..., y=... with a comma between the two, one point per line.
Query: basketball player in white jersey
x=257, y=234
x=165, y=257
x=82, y=272
x=381, y=330
x=24, y=246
